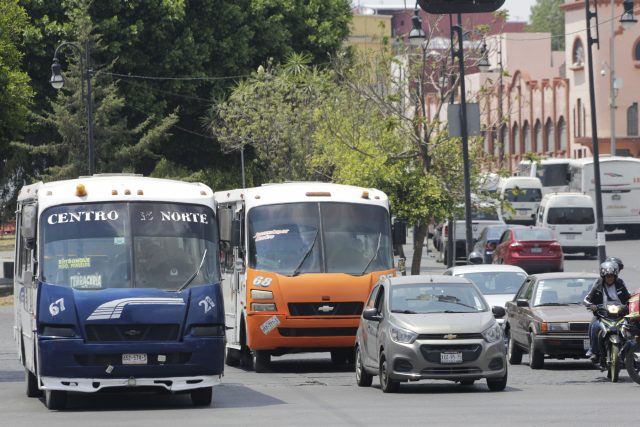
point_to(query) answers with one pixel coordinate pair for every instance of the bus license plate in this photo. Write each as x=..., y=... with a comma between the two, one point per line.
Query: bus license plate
x=134, y=359
x=571, y=236
x=450, y=358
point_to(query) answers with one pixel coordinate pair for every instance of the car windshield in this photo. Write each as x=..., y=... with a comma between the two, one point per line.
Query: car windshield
x=571, y=215
x=129, y=245
x=562, y=291
x=436, y=298
x=534, y=234
x=298, y=238
x=496, y=282
x=518, y=194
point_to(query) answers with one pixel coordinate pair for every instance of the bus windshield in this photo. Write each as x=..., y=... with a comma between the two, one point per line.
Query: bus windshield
x=297, y=238
x=129, y=245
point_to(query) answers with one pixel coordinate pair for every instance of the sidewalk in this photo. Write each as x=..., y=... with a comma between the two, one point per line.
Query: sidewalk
x=429, y=263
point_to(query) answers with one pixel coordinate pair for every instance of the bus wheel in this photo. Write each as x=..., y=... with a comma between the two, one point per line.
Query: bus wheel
x=261, y=360
x=232, y=357
x=202, y=396
x=32, y=384
x=55, y=399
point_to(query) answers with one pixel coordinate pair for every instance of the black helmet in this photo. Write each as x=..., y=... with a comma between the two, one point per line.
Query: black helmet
x=616, y=260
x=608, y=268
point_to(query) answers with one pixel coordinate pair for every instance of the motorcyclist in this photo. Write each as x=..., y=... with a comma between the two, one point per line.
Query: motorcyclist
x=609, y=288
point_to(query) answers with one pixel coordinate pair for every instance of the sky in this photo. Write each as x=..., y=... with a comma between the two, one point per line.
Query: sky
x=518, y=9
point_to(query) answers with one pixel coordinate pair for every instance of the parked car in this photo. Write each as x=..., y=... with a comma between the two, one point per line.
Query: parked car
x=547, y=318
x=487, y=242
x=429, y=327
x=535, y=249
x=498, y=283
x=483, y=214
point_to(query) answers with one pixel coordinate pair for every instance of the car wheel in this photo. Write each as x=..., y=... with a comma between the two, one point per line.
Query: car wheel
x=202, y=396
x=387, y=384
x=514, y=353
x=31, y=382
x=55, y=399
x=497, y=384
x=261, y=360
x=363, y=378
x=536, y=358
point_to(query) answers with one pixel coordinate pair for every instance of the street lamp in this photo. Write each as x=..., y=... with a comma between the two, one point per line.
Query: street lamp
x=483, y=63
x=594, y=129
x=628, y=19
x=57, y=81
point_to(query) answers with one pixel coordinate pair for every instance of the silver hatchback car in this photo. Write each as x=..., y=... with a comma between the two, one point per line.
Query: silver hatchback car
x=429, y=327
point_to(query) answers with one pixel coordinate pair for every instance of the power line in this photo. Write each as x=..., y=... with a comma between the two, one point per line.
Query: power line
x=166, y=92
x=205, y=78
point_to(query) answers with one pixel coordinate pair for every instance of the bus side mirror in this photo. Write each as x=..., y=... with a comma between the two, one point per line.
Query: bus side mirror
x=28, y=225
x=399, y=232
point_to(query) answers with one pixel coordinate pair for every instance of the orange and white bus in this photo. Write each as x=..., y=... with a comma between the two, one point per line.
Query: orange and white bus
x=299, y=260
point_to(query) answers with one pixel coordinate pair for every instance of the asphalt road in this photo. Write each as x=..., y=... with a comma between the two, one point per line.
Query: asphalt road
x=309, y=390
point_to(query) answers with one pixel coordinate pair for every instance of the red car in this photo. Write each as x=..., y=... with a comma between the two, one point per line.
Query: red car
x=534, y=249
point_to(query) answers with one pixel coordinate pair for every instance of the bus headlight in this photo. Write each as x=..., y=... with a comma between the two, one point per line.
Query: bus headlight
x=260, y=294
x=255, y=306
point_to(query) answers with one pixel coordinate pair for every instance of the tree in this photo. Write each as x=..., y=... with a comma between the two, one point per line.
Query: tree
x=547, y=16
x=16, y=97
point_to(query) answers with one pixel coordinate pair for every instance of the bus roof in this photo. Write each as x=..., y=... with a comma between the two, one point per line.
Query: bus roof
x=116, y=187
x=289, y=192
x=604, y=159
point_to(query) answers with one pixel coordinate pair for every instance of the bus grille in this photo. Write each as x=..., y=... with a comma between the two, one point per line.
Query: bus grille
x=317, y=332
x=150, y=332
x=325, y=308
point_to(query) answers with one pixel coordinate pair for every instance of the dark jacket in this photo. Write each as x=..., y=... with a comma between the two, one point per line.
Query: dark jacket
x=596, y=294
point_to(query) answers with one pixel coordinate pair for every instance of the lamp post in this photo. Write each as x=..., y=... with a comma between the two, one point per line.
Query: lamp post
x=465, y=137
x=417, y=37
x=57, y=81
x=594, y=129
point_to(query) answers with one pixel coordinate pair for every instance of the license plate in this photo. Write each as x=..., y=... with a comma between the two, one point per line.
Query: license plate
x=450, y=358
x=270, y=325
x=571, y=236
x=586, y=344
x=536, y=250
x=134, y=359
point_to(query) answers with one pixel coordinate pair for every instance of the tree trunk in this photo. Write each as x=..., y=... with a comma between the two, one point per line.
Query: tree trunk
x=419, y=233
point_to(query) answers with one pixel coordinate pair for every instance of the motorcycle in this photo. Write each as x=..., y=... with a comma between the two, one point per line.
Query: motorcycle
x=630, y=353
x=611, y=340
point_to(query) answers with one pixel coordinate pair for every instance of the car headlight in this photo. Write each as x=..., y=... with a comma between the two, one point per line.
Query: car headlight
x=554, y=327
x=402, y=336
x=493, y=333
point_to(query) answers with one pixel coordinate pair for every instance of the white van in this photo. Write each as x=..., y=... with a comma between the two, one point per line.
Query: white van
x=572, y=217
x=520, y=197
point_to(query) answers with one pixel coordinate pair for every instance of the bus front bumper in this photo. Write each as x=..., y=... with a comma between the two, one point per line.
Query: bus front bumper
x=92, y=385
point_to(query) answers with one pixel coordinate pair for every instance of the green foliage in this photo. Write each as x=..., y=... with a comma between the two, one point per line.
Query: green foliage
x=16, y=97
x=547, y=16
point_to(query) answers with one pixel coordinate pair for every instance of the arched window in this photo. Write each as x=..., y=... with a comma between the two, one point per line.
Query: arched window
x=562, y=134
x=632, y=120
x=550, y=143
x=577, y=126
x=494, y=142
x=577, y=54
x=537, y=131
x=515, y=138
x=504, y=140
x=526, y=137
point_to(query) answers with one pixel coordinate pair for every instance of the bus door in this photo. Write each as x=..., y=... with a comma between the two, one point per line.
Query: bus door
x=25, y=286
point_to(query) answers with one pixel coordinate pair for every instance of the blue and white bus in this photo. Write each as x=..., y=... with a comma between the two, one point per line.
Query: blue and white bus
x=117, y=286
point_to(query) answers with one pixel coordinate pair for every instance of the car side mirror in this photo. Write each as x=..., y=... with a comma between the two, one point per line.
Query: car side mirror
x=371, y=314
x=522, y=303
x=498, y=312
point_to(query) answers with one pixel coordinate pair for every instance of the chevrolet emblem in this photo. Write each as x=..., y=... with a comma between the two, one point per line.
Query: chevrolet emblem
x=326, y=308
x=132, y=332
x=450, y=337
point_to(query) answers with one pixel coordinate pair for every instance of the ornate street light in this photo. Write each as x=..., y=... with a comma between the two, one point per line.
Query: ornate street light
x=483, y=63
x=57, y=81
x=628, y=19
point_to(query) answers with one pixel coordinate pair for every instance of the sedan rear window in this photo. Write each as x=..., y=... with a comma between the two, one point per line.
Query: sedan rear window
x=496, y=282
x=436, y=298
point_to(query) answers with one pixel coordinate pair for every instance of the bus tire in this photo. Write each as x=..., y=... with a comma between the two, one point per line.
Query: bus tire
x=31, y=382
x=261, y=360
x=232, y=357
x=55, y=399
x=202, y=396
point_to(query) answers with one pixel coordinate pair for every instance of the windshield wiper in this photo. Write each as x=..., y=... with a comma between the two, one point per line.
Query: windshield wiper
x=296, y=271
x=454, y=300
x=195, y=274
x=375, y=254
x=404, y=311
